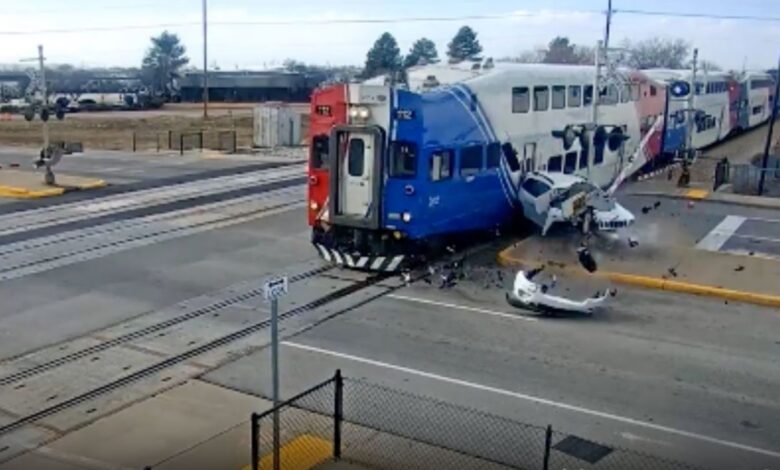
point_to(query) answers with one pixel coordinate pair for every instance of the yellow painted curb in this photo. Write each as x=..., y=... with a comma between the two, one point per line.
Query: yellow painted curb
x=93, y=185
x=697, y=193
x=23, y=193
x=302, y=453
x=649, y=282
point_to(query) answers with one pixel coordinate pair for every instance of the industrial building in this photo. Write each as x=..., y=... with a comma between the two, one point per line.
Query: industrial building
x=247, y=86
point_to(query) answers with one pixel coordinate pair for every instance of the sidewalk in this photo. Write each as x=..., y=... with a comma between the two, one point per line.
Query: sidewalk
x=19, y=184
x=688, y=270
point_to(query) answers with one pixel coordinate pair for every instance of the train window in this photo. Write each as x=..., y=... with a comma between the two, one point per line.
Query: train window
x=635, y=93
x=625, y=95
x=534, y=187
x=320, y=149
x=709, y=88
x=441, y=164
x=541, y=98
x=587, y=95
x=558, y=97
x=609, y=95
x=470, y=160
x=758, y=109
x=583, y=158
x=570, y=164
x=493, y=155
x=554, y=164
x=575, y=96
x=403, y=160
x=521, y=100
x=653, y=90
x=356, y=157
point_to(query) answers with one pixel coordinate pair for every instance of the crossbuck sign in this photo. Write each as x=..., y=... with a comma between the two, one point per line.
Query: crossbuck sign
x=275, y=288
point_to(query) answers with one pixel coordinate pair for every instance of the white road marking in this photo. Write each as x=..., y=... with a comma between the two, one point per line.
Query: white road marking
x=461, y=307
x=721, y=233
x=542, y=401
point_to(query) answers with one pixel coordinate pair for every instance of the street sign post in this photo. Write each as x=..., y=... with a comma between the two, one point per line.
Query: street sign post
x=273, y=289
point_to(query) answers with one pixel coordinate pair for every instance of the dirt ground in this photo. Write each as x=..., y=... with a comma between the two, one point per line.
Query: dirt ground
x=116, y=130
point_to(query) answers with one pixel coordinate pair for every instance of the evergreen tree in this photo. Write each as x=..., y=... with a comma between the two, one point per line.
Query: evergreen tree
x=464, y=46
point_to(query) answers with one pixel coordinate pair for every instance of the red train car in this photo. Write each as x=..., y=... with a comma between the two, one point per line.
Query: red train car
x=328, y=109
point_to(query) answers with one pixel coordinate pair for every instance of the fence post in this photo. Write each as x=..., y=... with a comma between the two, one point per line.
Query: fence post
x=181, y=143
x=235, y=142
x=338, y=414
x=170, y=140
x=547, y=444
x=134, y=141
x=255, y=443
x=201, y=141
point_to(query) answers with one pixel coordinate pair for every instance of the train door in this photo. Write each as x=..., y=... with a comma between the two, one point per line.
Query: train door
x=529, y=157
x=356, y=175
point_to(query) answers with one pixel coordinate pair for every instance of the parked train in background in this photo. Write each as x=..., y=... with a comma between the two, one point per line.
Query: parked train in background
x=397, y=173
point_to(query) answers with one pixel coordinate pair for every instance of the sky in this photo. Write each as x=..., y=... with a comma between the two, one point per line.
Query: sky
x=522, y=25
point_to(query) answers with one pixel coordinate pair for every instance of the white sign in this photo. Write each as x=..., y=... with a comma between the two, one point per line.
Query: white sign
x=275, y=288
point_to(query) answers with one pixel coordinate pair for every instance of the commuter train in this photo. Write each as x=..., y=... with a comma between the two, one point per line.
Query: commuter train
x=396, y=173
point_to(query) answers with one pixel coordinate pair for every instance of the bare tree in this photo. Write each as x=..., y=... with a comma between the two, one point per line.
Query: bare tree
x=709, y=65
x=654, y=53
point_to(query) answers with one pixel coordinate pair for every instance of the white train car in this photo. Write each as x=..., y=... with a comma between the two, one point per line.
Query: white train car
x=712, y=121
x=759, y=87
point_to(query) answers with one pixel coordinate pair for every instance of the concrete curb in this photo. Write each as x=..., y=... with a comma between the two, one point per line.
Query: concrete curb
x=653, y=174
x=649, y=282
x=24, y=193
x=712, y=197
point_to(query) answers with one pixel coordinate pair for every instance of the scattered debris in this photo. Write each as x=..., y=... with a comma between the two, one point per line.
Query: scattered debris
x=407, y=277
x=739, y=268
x=691, y=204
x=646, y=209
x=657, y=204
x=751, y=253
x=632, y=242
x=586, y=259
x=672, y=271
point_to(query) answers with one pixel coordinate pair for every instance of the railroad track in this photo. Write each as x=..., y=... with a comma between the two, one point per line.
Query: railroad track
x=64, y=214
x=177, y=359
x=40, y=254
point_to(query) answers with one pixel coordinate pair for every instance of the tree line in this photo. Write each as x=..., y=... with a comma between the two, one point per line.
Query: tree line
x=166, y=57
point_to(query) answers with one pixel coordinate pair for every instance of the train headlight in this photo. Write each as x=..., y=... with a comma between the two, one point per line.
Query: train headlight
x=406, y=217
x=359, y=112
x=314, y=206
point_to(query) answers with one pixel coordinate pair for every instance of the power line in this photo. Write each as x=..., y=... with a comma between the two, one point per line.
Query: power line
x=417, y=19
x=697, y=15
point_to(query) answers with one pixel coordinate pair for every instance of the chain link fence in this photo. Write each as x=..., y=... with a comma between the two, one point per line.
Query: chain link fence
x=380, y=427
x=745, y=178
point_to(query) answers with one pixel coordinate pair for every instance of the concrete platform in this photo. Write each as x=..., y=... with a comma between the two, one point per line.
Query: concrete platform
x=19, y=184
x=681, y=269
x=195, y=426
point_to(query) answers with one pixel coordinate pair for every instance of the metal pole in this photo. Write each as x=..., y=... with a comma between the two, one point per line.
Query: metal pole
x=205, y=62
x=609, y=23
x=255, y=442
x=338, y=414
x=691, y=112
x=45, y=96
x=768, y=144
x=275, y=376
x=594, y=117
x=547, y=445
x=664, y=127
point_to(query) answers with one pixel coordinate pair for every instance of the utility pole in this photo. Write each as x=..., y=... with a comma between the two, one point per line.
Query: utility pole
x=44, y=96
x=609, y=24
x=205, y=62
x=768, y=144
x=691, y=111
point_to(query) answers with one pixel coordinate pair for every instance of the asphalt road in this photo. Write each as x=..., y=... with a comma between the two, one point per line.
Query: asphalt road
x=678, y=376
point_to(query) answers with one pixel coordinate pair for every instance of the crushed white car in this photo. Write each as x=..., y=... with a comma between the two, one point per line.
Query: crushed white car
x=549, y=198
x=529, y=295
